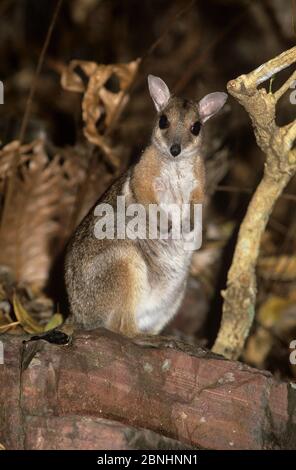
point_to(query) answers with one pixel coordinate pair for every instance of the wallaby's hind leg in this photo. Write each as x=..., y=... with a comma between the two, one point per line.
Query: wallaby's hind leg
x=129, y=279
x=110, y=293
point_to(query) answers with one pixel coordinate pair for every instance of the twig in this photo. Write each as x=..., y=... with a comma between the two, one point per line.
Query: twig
x=9, y=325
x=277, y=143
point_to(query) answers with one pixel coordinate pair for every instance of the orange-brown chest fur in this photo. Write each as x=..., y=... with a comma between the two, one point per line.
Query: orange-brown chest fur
x=157, y=179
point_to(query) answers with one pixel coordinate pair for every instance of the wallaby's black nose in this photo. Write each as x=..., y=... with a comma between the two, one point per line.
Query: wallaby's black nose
x=175, y=149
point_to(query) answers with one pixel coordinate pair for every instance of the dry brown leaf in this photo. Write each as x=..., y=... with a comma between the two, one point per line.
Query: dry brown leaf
x=38, y=212
x=276, y=320
x=24, y=318
x=39, y=220
x=258, y=347
x=7, y=155
x=272, y=309
x=55, y=321
x=8, y=326
x=29, y=324
x=278, y=268
x=100, y=104
x=23, y=307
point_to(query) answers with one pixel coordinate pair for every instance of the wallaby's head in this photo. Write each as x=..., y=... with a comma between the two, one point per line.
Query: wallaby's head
x=178, y=130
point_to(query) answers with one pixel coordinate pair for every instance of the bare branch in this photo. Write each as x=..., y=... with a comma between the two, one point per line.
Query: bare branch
x=289, y=134
x=270, y=68
x=280, y=166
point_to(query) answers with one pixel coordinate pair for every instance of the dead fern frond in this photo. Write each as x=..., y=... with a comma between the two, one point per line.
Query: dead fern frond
x=7, y=155
x=101, y=106
x=34, y=221
x=43, y=205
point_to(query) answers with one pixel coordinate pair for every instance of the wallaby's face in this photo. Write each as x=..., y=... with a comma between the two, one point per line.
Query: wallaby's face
x=178, y=129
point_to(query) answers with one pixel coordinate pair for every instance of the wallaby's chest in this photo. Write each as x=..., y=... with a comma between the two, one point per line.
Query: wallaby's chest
x=175, y=182
x=164, y=291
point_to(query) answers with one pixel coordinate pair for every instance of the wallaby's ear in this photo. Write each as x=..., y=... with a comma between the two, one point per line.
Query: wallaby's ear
x=159, y=92
x=211, y=104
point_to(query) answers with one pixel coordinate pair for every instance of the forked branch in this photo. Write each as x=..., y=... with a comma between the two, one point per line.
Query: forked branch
x=276, y=142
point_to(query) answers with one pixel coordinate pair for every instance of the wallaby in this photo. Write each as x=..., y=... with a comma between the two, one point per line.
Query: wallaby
x=135, y=286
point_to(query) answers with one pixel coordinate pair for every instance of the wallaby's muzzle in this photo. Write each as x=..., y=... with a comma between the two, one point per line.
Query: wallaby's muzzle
x=175, y=149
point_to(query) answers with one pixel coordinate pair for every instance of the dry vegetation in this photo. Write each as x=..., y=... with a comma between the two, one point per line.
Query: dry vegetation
x=69, y=129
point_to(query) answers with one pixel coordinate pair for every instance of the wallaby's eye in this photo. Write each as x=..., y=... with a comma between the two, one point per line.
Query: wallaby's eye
x=163, y=122
x=195, y=128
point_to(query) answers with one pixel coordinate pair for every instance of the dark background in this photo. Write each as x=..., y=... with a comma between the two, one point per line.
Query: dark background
x=196, y=47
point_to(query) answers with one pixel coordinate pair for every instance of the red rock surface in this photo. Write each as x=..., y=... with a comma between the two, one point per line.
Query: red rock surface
x=106, y=392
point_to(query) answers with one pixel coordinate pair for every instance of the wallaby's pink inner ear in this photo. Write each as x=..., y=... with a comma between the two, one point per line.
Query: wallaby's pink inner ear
x=211, y=104
x=159, y=92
